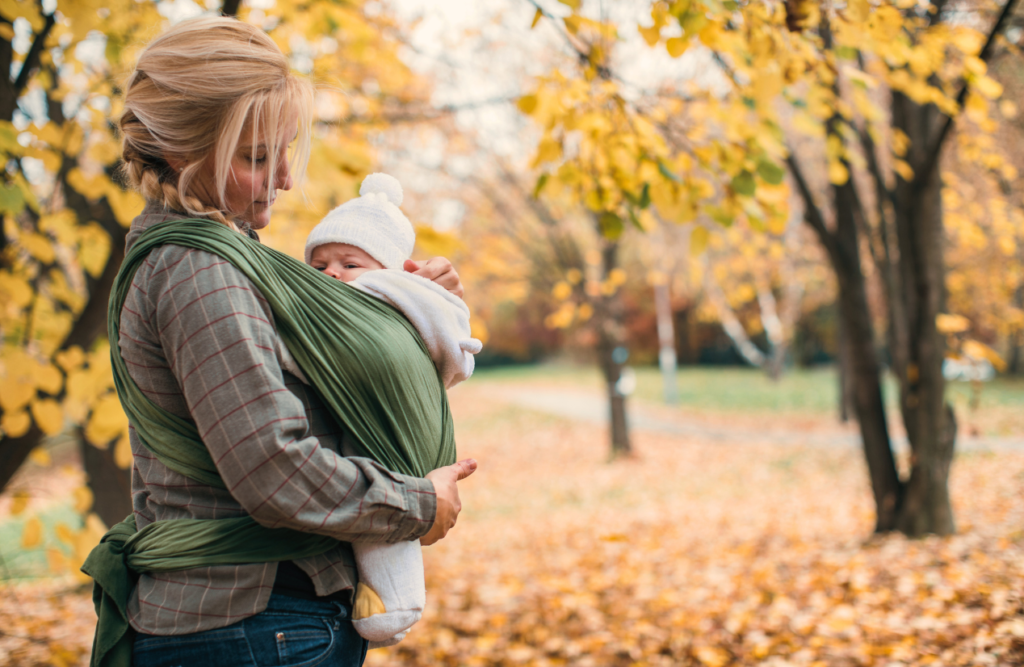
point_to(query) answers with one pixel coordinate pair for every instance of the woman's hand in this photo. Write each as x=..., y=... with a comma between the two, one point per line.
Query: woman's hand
x=438, y=270
x=448, y=503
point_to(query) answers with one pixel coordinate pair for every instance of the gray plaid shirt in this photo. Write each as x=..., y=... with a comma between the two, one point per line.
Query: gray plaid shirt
x=200, y=341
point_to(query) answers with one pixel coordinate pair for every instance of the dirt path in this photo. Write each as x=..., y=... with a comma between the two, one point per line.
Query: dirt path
x=590, y=407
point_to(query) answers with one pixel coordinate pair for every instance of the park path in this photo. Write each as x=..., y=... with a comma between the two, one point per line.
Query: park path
x=591, y=407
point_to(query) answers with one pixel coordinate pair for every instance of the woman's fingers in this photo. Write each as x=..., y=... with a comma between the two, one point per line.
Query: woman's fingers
x=445, y=481
x=438, y=270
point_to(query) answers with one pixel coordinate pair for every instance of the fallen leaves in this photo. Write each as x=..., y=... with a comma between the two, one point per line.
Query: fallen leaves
x=694, y=553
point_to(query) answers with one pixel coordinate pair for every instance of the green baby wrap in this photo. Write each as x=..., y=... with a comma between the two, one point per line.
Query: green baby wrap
x=366, y=361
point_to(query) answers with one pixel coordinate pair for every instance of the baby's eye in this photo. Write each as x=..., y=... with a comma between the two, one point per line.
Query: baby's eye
x=352, y=266
x=319, y=268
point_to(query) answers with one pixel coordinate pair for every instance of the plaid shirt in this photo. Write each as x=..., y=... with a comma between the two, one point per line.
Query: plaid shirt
x=200, y=341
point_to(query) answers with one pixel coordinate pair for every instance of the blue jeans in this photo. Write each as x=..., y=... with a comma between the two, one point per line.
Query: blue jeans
x=290, y=633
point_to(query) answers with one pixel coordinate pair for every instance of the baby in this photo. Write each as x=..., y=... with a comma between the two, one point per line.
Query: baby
x=365, y=242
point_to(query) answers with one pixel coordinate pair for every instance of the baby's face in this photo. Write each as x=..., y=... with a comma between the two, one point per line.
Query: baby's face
x=342, y=261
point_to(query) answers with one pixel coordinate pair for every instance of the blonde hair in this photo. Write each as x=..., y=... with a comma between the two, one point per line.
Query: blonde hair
x=193, y=91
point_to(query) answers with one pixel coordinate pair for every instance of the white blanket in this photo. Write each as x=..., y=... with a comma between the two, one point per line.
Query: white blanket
x=440, y=317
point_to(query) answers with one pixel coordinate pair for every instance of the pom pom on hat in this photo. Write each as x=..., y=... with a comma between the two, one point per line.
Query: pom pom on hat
x=383, y=183
x=371, y=221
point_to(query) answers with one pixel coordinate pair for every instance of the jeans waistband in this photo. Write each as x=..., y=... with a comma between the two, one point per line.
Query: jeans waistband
x=325, y=608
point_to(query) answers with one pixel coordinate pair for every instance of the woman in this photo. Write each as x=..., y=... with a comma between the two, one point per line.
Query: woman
x=209, y=113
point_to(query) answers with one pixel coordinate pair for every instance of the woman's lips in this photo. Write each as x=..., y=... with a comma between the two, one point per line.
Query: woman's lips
x=266, y=204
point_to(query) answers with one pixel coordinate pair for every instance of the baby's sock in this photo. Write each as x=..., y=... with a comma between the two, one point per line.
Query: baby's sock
x=391, y=593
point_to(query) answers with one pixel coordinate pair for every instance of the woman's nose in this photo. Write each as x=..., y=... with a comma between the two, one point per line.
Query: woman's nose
x=283, y=174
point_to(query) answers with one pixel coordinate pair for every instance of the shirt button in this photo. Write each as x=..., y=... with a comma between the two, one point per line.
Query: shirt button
x=280, y=636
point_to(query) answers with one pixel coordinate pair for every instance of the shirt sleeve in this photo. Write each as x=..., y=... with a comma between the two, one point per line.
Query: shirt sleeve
x=219, y=338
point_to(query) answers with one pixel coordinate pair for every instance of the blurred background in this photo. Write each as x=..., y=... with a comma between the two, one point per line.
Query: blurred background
x=749, y=278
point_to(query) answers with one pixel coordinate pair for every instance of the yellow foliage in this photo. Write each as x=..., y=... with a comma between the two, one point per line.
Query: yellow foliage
x=107, y=421
x=15, y=423
x=32, y=534
x=41, y=457
x=123, y=449
x=83, y=499
x=19, y=502
x=48, y=415
x=951, y=324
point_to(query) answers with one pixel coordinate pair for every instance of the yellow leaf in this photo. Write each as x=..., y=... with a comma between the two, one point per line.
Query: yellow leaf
x=123, y=449
x=837, y=172
x=14, y=290
x=571, y=4
x=15, y=424
x=698, y=240
x=950, y=324
x=83, y=499
x=48, y=415
x=38, y=246
x=561, y=291
x=537, y=16
x=858, y=10
x=527, y=104
x=49, y=379
x=903, y=169
x=1008, y=108
x=107, y=422
x=712, y=656
x=94, y=249
x=19, y=502
x=64, y=533
x=41, y=457
x=988, y=87
x=676, y=46
x=32, y=534
x=70, y=359
x=651, y=35
x=977, y=350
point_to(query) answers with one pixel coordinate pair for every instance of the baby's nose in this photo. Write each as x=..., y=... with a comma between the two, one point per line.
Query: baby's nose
x=333, y=272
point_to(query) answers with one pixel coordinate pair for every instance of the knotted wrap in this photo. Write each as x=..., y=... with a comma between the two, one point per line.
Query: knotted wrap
x=362, y=356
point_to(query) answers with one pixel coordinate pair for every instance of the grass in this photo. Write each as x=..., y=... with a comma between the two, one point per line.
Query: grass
x=728, y=389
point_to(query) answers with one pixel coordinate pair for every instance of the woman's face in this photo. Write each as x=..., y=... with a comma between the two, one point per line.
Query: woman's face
x=249, y=194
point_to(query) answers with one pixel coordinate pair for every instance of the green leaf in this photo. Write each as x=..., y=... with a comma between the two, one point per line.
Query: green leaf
x=743, y=183
x=645, y=196
x=770, y=172
x=720, y=215
x=540, y=185
x=846, y=53
x=667, y=173
x=12, y=199
x=611, y=225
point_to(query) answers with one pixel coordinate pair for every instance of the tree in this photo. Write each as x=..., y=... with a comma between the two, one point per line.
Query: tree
x=825, y=72
x=66, y=212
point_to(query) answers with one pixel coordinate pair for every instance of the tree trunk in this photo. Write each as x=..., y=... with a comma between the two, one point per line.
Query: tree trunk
x=666, y=341
x=929, y=421
x=610, y=340
x=111, y=485
x=14, y=451
x=864, y=368
x=843, y=364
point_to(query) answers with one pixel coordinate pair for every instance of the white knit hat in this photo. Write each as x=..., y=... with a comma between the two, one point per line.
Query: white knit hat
x=372, y=222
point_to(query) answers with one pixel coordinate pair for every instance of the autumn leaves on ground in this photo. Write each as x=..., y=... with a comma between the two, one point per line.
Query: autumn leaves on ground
x=696, y=552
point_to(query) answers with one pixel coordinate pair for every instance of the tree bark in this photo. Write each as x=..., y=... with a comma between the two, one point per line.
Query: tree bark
x=929, y=421
x=610, y=337
x=865, y=370
x=111, y=485
x=843, y=249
